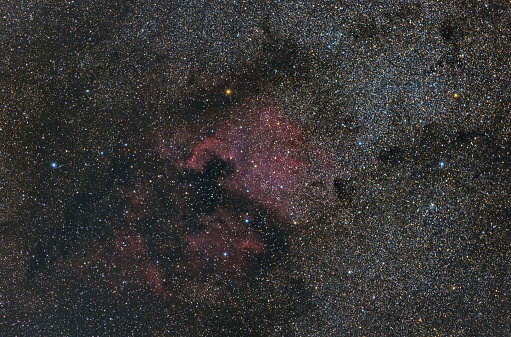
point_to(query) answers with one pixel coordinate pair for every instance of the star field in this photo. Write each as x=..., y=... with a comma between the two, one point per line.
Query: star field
x=265, y=168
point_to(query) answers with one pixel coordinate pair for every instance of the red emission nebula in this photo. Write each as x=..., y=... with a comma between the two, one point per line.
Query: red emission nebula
x=218, y=200
x=266, y=152
x=234, y=192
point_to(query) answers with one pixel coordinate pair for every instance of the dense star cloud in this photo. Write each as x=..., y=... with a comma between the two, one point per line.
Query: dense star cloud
x=259, y=168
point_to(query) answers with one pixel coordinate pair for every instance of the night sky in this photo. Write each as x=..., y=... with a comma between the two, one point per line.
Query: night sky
x=255, y=168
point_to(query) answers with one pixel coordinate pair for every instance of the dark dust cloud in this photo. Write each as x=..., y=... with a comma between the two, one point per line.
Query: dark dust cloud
x=255, y=168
